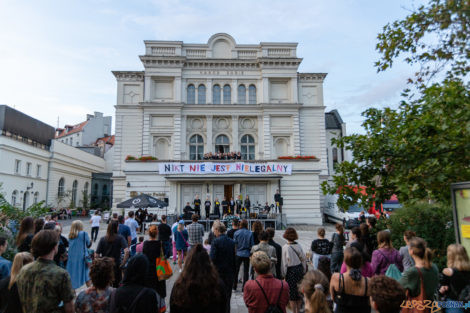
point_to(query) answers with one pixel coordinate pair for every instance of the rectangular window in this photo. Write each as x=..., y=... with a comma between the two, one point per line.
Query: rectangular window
x=17, y=166
x=38, y=170
x=28, y=169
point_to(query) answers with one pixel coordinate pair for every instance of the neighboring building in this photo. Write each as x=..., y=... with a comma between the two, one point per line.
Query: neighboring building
x=85, y=133
x=335, y=128
x=102, y=190
x=24, y=153
x=37, y=168
x=193, y=99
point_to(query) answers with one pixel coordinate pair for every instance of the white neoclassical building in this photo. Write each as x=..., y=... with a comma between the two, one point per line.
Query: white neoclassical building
x=193, y=99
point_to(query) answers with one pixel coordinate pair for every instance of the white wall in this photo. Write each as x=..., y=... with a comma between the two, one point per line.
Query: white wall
x=11, y=150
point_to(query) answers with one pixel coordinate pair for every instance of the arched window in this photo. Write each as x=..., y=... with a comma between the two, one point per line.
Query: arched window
x=201, y=94
x=61, y=189
x=248, y=147
x=222, y=144
x=85, y=188
x=191, y=95
x=14, y=197
x=105, y=190
x=334, y=152
x=196, y=147
x=227, y=94
x=216, y=94
x=241, y=94
x=95, y=190
x=74, y=192
x=252, y=94
x=36, y=197
x=25, y=200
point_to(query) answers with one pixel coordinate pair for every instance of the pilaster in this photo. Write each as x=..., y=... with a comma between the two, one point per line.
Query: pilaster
x=148, y=88
x=235, y=133
x=209, y=134
x=182, y=142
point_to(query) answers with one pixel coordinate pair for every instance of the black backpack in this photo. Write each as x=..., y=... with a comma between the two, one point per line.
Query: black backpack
x=272, y=308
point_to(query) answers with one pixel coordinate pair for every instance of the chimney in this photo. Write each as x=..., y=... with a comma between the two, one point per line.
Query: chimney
x=89, y=117
x=98, y=114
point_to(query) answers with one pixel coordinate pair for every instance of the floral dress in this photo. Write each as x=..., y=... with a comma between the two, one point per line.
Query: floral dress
x=93, y=301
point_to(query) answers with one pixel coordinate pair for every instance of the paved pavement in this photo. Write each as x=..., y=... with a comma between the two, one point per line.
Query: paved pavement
x=306, y=235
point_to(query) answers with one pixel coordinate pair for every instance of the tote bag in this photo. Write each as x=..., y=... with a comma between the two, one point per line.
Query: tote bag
x=163, y=267
x=416, y=304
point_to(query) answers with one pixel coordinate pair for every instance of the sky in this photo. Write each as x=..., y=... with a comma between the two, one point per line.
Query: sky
x=56, y=57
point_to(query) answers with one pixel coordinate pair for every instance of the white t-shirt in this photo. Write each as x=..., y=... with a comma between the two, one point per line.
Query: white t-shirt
x=95, y=221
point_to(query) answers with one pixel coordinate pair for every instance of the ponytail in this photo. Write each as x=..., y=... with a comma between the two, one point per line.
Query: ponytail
x=428, y=255
x=318, y=302
x=421, y=250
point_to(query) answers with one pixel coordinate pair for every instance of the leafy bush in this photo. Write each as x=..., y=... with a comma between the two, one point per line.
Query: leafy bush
x=432, y=222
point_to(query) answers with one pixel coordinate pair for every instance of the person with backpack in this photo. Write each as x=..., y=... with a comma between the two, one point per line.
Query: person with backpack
x=385, y=255
x=133, y=296
x=456, y=276
x=265, y=294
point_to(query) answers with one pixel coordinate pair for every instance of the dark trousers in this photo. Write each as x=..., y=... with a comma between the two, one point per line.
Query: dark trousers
x=94, y=233
x=228, y=282
x=246, y=264
x=336, y=261
x=197, y=211
x=133, y=246
x=167, y=248
x=208, y=212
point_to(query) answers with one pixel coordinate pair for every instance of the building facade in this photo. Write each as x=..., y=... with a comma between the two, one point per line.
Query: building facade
x=87, y=132
x=194, y=99
x=37, y=168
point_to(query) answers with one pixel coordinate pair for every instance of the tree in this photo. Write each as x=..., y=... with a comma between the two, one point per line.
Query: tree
x=415, y=152
x=435, y=36
x=85, y=199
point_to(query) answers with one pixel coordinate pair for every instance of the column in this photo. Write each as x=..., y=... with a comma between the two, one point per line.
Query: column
x=148, y=88
x=265, y=90
x=209, y=147
x=260, y=144
x=235, y=146
x=177, y=89
x=234, y=91
x=209, y=91
x=183, y=137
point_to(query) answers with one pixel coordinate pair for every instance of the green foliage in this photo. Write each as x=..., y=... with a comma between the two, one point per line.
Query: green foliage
x=415, y=152
x=433, y=223
x=85, y=199
x=10, y=214
x=436, y=36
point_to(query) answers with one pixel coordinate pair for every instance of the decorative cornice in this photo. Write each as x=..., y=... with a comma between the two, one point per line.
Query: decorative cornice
x=319, y=77
x=134, y=76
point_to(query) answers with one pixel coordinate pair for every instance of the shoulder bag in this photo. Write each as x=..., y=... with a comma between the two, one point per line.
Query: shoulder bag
x=163, y=267
x=87, y=257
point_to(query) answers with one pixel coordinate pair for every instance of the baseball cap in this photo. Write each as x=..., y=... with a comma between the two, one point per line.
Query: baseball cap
x=181, y=222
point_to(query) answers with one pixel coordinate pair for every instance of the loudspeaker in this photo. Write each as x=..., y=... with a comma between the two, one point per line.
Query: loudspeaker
x=262, y=216
x=166, y=200
x=214, y=217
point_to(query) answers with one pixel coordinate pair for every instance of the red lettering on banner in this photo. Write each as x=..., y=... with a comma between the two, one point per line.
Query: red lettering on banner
x=192, y=168
x=268, y=169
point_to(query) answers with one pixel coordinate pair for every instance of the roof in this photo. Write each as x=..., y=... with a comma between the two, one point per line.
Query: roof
x=333, y=120
x=107, y=140
x=74, y=129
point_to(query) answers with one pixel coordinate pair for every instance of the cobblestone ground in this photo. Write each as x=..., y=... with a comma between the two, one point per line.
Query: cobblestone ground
x=306, y=235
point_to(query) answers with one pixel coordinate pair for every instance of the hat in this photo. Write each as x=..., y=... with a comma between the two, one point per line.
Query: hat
x=181, y=222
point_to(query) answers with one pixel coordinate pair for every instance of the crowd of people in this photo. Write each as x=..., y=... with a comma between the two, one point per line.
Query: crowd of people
x=222, y=156
x=355, y=274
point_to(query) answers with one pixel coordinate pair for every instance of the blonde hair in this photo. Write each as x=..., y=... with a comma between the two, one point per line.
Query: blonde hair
x=261, y=262
x=215, y=225
x=457, y=257
x=77, y=226
x=180, y=227
x=20, y=260
x=315, y=287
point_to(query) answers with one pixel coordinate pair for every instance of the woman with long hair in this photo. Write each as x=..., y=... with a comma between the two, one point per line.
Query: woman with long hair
x=198, y=289
x=356, y=242
x=111, y=246
x=9, y=290
x=78, y=250
x=421, y=280
x=456, y=275
x=25, y=234
x=349, y=290
x=181, y=243
x=294, y=266
x=256, y=229
x=315, y=287
x=97, y=296
x=385, y=255
x=153, y=248
x=338, y=241
x=133, y=295
x=38, y=225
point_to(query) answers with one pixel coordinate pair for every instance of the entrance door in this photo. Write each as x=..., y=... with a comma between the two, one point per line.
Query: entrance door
x=228, y=191
x=188, y=193
x=25, y=200
x=219, y=192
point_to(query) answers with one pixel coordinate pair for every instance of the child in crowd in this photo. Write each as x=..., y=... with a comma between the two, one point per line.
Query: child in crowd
x=207, y=246
x=140, y=245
